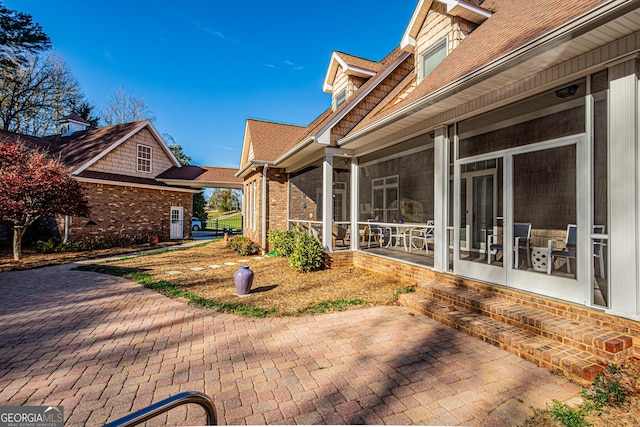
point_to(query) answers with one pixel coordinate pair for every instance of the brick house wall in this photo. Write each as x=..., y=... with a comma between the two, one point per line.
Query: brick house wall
x=277, y=194
x=129, y=210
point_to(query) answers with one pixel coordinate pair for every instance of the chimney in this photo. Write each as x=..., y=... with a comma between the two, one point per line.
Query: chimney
x=71, y=124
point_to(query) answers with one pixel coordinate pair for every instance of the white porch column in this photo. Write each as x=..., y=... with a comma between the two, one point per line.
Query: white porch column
x=624, y=189
x=327, y=201
x=440, y=197
x=355, y=203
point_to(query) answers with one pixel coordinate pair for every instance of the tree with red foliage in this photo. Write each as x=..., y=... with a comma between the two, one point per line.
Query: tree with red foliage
x=34, y=185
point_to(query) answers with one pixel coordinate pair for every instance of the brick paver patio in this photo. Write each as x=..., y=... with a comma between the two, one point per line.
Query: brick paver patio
x=102, y=347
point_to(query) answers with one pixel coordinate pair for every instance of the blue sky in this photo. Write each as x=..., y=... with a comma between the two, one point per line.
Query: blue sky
x=204, y=67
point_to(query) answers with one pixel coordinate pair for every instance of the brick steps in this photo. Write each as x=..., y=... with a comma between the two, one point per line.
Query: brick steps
x=579, y=350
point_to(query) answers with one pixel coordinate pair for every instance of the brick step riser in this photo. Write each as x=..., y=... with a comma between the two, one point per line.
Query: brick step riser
x=582, y=371
x=609, y=348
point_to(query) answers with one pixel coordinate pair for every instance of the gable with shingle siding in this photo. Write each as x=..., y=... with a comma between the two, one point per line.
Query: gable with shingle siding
x=123, y=159
x=438, y=25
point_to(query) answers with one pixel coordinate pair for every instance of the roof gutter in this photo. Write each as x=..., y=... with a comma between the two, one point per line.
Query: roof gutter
x=575, y=28
x=252, y=164
x=304, y=143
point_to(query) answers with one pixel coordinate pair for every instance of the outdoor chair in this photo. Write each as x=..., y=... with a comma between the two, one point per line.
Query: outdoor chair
x=567, y=252
x=338, y=233
x=422, y=235
x=373, y=232
x=522, y=238
x=598, y=248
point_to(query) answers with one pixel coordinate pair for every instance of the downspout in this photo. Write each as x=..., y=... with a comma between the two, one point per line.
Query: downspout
x=264, y=209
x=67, y=229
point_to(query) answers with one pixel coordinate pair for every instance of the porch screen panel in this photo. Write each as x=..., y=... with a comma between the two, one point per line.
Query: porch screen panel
x=550, y=115
x=600, y=277
x=305, y=195
x=398, y=188
x=544, y=198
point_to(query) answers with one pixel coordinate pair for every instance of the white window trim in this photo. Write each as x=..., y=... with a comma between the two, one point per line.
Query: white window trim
x=138, y=158
x=340, y=94
x=430, y=51
x=384, y=186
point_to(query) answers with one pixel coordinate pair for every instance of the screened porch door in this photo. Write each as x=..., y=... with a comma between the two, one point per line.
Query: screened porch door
x=500, y=197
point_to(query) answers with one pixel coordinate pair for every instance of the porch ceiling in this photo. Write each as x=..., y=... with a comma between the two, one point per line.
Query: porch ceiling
x=506, y=71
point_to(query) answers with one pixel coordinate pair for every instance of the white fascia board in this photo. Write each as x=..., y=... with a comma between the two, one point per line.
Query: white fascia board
x=295, y=148
x=325, y=138
x=414, y=26
x=109, y=149
x=163, y=144
x=481, y=13
x=351, y=103
x=500, y=64
x=202, y=184
x=408, y=43
x=144, y=124
x=131, y=184
x=327, y=87
x=251, y=164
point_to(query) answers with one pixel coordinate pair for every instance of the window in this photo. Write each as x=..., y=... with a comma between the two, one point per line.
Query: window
x=385, y=198
x=144, y=158
x=433, y=57
x=341, y=97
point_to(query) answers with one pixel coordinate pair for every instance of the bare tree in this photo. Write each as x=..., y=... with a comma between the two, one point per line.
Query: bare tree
x=34, y=95
x=121, y=107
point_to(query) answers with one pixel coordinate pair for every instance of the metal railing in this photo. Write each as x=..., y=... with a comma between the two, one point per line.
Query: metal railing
x=145, y=414
x=225, y=224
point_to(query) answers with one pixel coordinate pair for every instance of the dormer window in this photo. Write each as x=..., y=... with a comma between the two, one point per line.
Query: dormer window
x=341, y=98
x=433, y=57
x=144, y=158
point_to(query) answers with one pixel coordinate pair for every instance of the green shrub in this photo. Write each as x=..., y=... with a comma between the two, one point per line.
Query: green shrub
x=90, y=243
x=282, y=242
x=307, y=255
x=567, y=416
x=242, y=245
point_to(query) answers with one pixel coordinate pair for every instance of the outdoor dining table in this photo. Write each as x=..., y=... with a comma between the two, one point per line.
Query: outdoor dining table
x=401, y=230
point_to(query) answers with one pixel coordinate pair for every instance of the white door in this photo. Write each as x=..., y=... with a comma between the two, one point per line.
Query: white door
x=177, y=221
x=534, y=184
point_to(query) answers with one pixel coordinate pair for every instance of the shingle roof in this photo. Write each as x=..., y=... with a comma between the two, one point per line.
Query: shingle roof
x=80, y=147
x=125, y=179
x=513, y=24
x=201, y=173
x=356, y=61
x=270, y=139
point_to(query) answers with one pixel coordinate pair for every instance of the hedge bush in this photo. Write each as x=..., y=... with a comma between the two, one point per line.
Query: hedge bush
x=243, y=245
x=307, y=254
x=282, y=242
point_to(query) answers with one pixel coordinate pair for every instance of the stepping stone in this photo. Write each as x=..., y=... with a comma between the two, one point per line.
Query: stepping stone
x=244, y=260
x=214, y=266
x=229, y=263
x=196, y=268
x=174, y=272
x=258, y=257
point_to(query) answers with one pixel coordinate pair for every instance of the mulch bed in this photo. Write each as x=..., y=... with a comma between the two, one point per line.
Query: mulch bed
x=31, y=259
x=275, y=286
